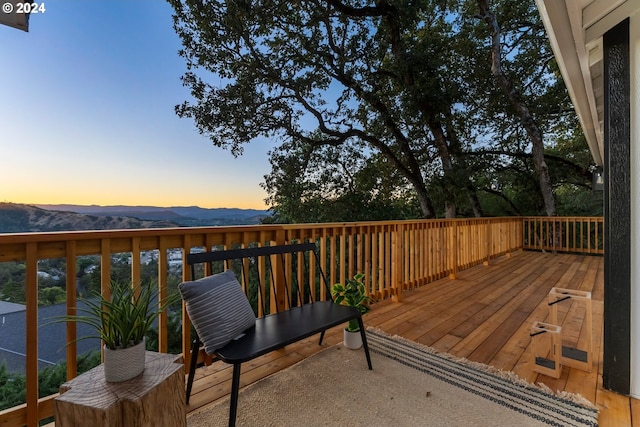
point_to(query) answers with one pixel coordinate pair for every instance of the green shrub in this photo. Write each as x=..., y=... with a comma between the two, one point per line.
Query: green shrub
x=13, y=386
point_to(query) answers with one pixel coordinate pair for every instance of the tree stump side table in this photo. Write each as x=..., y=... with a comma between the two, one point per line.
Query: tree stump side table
x=154, y=398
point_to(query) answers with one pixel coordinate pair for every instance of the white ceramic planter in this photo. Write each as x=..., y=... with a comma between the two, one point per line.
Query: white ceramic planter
x=124, y=364
x=352, y=340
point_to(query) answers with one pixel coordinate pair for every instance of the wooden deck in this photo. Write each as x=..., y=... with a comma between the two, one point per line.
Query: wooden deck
x=484, y=315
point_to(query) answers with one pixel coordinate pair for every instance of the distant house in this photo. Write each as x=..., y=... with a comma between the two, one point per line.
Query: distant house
x=52, y=337
x=9, y=307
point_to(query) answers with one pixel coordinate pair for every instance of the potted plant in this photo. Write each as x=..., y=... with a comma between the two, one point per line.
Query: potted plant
x=353, y=294
x=122, y=322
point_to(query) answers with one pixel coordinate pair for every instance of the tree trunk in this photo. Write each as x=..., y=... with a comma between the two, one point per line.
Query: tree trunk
x=425, y=202
x=449, y=209
x=515, y=98
x=447, y=165
x=465, y=181
x=457, y=178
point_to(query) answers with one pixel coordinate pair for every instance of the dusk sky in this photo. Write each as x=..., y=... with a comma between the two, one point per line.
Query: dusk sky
x=87, y=114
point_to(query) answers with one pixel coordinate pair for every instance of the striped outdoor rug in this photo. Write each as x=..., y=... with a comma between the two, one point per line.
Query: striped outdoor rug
x=500, y=387
x=409, y=386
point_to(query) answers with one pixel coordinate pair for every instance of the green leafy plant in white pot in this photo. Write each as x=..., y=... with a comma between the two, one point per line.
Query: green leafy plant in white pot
x=122, y=322
x=353, y=294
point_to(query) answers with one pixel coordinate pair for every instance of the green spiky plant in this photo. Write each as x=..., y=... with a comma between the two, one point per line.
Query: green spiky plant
x=124, y=319
x=353, y=294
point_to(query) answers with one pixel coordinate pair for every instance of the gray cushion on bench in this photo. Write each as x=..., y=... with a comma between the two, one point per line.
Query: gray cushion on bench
x=218, y=309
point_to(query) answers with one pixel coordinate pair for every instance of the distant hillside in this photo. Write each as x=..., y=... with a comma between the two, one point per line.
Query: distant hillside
x=181, y=215
x=18, y=218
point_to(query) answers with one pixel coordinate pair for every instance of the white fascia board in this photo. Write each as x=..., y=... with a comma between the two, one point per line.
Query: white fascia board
x=563, y=23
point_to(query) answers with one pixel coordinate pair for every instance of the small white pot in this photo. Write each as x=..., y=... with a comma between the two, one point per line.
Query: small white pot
x=352, y=340
x=123, y=364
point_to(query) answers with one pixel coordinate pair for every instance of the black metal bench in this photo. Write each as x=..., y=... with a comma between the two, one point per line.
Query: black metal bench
x=296, y=315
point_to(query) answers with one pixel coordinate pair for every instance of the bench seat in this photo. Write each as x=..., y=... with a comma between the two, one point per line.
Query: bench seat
x=275, y=331
x=304, y=314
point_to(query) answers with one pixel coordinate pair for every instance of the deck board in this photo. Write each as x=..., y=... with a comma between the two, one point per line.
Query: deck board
x=484, y=314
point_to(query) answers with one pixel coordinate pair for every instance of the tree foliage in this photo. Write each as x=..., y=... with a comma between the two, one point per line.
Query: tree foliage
x=379, y=108
x=337, y=184
x=13, y=385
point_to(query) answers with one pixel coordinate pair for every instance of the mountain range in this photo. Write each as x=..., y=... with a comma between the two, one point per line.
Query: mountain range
x=18, y=218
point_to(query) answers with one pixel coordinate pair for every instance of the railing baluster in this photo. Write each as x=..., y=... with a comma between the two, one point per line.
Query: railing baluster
x=343, y=255
x=186, y=323
x=105, y=268
x=31, y=259
x=71, y=272
x=163, y=289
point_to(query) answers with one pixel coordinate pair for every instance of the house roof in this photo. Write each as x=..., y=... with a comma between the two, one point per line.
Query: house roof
x=10, y=307
x=51, y=338
x=575, y=29
x=14, y=19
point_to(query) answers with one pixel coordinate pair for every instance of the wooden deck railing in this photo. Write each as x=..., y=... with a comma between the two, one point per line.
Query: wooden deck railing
x=394, y=256
x=582, y=235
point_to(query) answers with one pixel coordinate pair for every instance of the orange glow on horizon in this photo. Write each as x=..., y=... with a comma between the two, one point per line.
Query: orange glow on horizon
x=47, y=198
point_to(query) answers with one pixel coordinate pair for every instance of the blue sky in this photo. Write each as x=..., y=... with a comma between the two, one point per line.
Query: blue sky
x=87, y=114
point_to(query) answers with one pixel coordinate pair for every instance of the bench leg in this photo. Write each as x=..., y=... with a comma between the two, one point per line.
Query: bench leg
x=321, y=338
x=195, y=348
x=364, y=342
x=235, y=386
